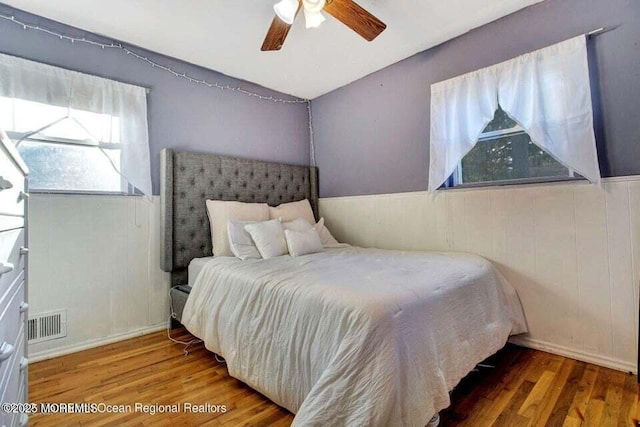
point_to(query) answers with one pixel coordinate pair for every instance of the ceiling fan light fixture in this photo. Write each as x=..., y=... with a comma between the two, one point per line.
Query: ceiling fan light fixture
x=314, y=5
x=313, y=19
x=313, y=12
x=286, y=10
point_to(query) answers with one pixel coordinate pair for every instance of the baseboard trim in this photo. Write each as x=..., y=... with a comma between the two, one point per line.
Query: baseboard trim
x=596, y=359
x=583, y=356
x=74, y=348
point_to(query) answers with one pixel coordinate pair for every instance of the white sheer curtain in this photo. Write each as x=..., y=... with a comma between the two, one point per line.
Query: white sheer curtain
x=547, y=92
x=460, y=110
x=124, y=105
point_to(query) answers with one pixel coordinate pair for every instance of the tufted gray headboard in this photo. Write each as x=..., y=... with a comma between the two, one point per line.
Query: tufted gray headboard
x=188, y=179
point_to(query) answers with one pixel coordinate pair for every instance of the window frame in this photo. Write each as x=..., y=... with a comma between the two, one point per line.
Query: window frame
x=456, y=181
x=126, y=188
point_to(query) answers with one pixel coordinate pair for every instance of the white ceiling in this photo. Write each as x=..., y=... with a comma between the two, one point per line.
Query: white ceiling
x=226, y=35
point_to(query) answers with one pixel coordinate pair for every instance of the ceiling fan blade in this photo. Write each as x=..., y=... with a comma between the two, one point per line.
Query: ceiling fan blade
x=356, y=18
x=277, y=33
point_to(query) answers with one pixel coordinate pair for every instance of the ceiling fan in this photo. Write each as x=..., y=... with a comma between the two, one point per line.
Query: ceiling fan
x=345, y=11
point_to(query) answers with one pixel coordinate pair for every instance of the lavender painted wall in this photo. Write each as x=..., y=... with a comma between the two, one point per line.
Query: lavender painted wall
x=372, y=136
x=181, y=115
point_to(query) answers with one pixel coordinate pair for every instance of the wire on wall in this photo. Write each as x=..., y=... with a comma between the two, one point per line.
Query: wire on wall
x=312, y=148
x=154, y=64
x=185, y=76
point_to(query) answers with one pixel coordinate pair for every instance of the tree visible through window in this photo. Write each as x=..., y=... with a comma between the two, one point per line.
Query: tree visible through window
x=505, y=152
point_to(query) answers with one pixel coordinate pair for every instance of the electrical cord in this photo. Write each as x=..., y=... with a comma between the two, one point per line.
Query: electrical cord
x=186, y=344
x=172, y=315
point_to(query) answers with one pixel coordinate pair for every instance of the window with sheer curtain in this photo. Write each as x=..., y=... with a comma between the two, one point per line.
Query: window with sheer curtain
x=76, y=132
x=526, y=119
x=505, y=153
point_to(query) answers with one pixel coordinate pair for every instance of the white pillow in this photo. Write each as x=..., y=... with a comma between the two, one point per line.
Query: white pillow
x=221, y=212
x=292, y=211
x=240, y=241
x=299, y=224
x=325, y=236
x=268, y=237
x=303, y=242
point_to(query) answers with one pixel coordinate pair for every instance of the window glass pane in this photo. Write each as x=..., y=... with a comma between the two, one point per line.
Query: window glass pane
x=489, y=161
x=30, y=116
x=500, y=121
x=65, y=156
x=70, y=167
x=510, y=157
x=26, y=116
x=504, y=153
x=542, y=164
x=101, y=127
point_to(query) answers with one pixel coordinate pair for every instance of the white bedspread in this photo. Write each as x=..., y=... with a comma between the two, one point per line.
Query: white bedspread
x=353, y=336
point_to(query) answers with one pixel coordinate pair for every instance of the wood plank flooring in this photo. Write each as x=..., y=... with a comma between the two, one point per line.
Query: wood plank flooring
x=527, y=388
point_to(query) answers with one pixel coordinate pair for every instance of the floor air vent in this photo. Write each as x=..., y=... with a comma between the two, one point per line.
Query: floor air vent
x=47, y=326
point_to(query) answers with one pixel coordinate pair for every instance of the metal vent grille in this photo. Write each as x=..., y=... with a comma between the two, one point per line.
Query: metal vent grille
x=47, y=326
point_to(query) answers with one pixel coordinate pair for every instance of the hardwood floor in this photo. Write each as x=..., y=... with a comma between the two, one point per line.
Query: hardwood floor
x=527, y=387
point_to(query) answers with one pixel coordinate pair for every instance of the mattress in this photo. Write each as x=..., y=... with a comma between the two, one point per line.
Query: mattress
x=195, y=266
x=353, y=336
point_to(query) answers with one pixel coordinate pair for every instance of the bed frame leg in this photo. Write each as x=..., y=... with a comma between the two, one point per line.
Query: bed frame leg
x=435, y=421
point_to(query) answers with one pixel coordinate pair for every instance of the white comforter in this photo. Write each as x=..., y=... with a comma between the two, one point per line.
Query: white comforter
x=353, y=336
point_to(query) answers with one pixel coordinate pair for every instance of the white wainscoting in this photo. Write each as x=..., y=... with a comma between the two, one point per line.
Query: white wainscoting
x=572, y=251
x=99, y=258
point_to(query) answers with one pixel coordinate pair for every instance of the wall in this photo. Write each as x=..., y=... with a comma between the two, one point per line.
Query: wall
x=182, y=115
x=98, y=257
x=372, y=136
x=572, y=251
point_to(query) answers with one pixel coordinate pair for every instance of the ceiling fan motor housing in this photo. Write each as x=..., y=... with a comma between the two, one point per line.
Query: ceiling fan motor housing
x=314, y=6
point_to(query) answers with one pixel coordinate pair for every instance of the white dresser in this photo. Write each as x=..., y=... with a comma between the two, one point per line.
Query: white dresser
x=13, y=281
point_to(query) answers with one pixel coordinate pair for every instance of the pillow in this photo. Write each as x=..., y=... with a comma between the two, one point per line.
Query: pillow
x=299, y=224
x=221, y=212
x=292, y=211
x=325, y=236
x=240, y=242
x=268, y=237
x=303, y=242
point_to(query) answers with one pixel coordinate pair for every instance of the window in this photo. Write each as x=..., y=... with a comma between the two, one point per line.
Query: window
x=63, y=148
x=547, y=92
x=76, y=132
x=505, y=153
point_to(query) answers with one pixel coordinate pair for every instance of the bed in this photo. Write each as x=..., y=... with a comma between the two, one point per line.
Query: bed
x=348, y=336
